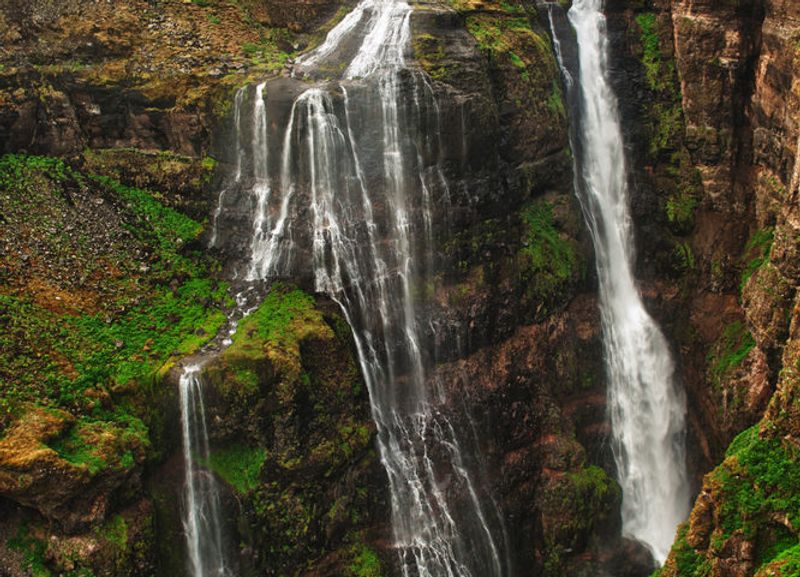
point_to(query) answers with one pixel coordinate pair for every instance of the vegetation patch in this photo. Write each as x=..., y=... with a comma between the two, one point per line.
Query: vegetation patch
x=176, y=175
x=238, y=465
x=115, y=532
x=552, y=260
x=657, y=71
x=683, y=559
x=272, y=51
x=33, y=552
x=757, y=485
x=430, y=54
x=506, y=37
x=365, y=563
x=280, y=321
x=756, y=253
x=112, y=290
x=729, y=351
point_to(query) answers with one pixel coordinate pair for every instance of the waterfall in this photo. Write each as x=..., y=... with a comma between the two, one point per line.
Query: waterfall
x=352, y=198
x=646, y=406
x=237, y=177
x=201, y=507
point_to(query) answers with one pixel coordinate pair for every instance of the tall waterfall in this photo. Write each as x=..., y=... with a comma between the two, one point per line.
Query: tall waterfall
x=348, y=190
x=201, y=508
x=646, y=407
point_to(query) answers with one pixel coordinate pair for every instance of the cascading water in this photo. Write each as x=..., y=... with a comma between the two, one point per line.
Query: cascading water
x=646, y=408
x=201, y=507
x=352, y=195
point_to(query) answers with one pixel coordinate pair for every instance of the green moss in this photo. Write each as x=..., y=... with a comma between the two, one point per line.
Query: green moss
x=115, y=531
x=756, y=492
x=430, y=54
x=729, y=351
x=365, y=563
x=667, y=126
x=247, y=378
x=509, y=39
x=759, y=480
x=574, y=506
x=688, y=562
x=684, y=257
x=148, y=311
x=178, y=177
x=33, y=552
x=279, y=321
x=267, y=54
x=666, y=113
x=555, y=102
x=659, y=70
x=552, y=260
x=288, y=514
x=788, y=562
x=680, y=207
x=169, y=228
x=651, y=51
x=238, y=465
x=101, y=444
x=756, y=253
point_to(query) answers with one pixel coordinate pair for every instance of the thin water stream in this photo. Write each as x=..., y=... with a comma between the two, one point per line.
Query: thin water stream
x=202, y=521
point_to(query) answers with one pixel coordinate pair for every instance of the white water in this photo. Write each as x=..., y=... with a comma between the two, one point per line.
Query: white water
x=353, y=183
x=201, y=507
x=237, y=177
x=646, y=407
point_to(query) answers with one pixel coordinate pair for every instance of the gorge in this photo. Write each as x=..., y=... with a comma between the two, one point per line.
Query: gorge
x=404, y=288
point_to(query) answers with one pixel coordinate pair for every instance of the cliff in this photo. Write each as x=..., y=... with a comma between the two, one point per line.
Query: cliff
x=717, y=162
x=107, y=287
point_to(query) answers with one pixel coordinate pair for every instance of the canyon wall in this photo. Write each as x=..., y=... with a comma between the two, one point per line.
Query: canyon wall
x=712, y=90
x=137, y=99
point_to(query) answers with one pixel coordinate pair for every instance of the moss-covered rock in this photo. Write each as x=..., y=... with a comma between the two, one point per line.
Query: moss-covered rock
x=292, y=434
x=103, y=287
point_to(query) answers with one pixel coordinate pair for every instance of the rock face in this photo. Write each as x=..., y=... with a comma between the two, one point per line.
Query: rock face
x=148, y=75
x=511, y=256
x=89, y=474
x=728, y=73
x=292, y=443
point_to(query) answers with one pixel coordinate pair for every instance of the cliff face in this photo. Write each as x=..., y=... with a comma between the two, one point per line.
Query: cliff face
x=109, y=286
x=724, y=80
x=140, y=93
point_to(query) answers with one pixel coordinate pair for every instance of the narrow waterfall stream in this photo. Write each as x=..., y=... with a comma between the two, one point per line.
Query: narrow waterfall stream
x=342, y=182
x=645, y=404
x=201, y=508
